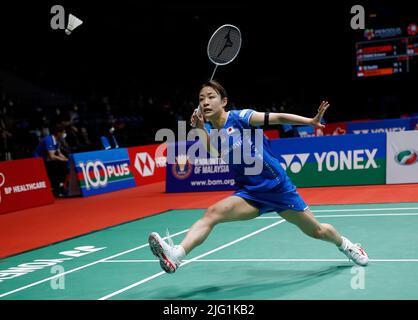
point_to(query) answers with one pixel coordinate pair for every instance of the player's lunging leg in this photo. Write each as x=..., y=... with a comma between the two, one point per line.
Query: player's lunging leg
x=230, y=209
x=306, y=221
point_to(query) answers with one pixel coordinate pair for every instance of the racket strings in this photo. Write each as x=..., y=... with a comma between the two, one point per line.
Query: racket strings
x=224, y=45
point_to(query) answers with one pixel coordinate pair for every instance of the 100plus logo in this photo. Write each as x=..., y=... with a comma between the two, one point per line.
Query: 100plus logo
x=97, y=175
x=332, y=160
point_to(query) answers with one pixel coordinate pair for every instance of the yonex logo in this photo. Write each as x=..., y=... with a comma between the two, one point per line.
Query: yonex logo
x=294, y=161
x=362, y=131
x=350, y=160
x=144, y=164
x=333, y=160
x=379, y=130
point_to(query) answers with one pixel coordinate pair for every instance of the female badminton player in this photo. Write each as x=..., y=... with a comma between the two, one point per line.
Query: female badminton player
x=255, y=195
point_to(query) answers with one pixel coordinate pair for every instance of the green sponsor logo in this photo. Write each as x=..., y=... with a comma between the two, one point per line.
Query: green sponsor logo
x=351, y=167
x=406, y=157
x=97, y=175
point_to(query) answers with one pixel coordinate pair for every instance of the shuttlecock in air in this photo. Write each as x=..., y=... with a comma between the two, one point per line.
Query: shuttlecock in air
x=73, y=22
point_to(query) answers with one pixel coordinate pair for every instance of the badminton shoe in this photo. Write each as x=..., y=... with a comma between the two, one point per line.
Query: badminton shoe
x=354, y=252
x=165, y=252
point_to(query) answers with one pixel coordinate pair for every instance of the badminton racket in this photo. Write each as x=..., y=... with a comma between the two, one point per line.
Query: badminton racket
x=223, y=47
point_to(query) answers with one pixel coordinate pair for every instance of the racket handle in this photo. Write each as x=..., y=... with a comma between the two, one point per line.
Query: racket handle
x=197, y=110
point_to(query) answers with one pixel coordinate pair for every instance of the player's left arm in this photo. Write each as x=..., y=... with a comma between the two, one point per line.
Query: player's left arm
x=258, y=118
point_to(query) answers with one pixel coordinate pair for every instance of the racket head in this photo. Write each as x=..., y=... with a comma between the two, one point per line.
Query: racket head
x=224, y=44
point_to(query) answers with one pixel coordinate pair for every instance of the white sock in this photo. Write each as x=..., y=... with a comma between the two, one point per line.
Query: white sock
x=344, y=244
x=179, y=252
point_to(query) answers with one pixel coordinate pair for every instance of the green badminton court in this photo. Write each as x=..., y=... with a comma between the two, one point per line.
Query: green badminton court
x=266, y=258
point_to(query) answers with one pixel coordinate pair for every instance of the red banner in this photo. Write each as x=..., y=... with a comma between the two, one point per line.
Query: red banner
x=332, y=129
x=148, y=163
x=24, y=184
x=272, y=134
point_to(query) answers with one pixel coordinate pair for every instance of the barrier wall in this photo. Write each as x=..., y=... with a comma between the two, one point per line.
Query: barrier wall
x=373, y=158
x=148, y=163
x=333, y=160
x=24, y=184
x=361, y=127
x=414, y=124
x=317, y=161
x=192, y=175
x=402, y=157
x=379, y=126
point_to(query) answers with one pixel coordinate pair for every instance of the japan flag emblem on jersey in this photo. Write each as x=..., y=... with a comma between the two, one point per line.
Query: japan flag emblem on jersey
x=230, y=130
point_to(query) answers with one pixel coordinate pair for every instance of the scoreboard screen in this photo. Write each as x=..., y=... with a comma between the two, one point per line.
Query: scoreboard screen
x=387, y=51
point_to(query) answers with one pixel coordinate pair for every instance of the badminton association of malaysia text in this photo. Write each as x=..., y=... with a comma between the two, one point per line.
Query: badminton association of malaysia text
x=210, y=310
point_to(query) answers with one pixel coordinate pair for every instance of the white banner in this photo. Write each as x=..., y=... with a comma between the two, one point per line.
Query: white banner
x=402, y=157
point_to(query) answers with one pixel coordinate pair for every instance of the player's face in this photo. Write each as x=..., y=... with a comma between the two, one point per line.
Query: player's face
x=211, y=103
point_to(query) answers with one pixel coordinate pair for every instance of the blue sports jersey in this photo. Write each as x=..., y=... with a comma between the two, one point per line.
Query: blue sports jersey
x=47, y=144
x=240, y=138
x=270, y=189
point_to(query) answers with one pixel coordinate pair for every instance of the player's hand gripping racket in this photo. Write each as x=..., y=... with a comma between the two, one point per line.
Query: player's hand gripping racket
x=223, y=47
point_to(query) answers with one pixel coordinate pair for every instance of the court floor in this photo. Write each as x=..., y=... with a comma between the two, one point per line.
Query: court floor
x=261, y=259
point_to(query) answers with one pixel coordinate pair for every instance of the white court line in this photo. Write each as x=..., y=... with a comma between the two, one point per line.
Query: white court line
x=353, y=215
x=266, y=260
x=191, y=260
x=82, y=267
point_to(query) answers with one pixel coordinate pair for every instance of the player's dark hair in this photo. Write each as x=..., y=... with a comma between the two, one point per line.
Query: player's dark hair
x=215, y=85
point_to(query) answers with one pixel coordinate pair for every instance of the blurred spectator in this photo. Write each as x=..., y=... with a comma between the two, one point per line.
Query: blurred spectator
x=55, y=162
x=77, y=139
x=39, y=123
x=74, y=115
x=25, y=140
x=6, y=129
x=5, y=135
x=109, y=140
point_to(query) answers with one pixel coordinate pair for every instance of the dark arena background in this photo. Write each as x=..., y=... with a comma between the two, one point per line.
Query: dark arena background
x=132, y=68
